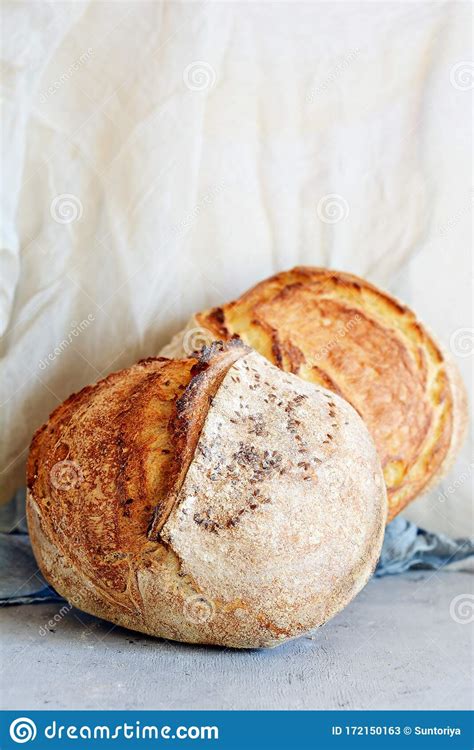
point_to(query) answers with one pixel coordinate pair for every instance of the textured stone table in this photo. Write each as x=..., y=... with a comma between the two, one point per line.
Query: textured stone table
x=396, y=646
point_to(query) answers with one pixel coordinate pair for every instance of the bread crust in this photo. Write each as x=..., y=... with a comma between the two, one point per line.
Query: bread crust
x=178, y=518
x=186, y=425
x=339, y=331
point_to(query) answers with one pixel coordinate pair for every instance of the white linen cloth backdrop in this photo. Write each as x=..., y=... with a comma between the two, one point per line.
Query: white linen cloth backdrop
x=161, y=157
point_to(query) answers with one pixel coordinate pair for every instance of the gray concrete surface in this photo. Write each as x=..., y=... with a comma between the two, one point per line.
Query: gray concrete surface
x=399, y=645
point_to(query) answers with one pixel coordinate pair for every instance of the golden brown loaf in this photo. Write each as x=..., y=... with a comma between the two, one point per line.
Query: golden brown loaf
x=214, y=501
x=339, y=331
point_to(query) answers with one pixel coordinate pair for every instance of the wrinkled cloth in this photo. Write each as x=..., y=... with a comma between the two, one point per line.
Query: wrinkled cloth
x=20, y=580
x=405, y=547
x=161, y=157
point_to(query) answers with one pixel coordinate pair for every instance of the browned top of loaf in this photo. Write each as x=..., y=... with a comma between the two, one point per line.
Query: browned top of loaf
x=120, y=449
x=339, y=331
x=122, y=430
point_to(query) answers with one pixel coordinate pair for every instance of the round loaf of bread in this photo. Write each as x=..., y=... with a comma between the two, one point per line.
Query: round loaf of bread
x=339, y=331
x=217, y=501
